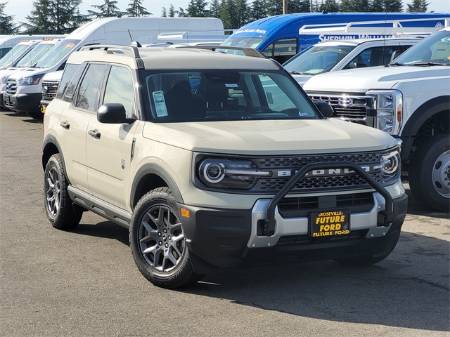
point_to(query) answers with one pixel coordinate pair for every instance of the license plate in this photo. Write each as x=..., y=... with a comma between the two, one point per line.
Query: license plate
x=329, y=224
x=43, y=107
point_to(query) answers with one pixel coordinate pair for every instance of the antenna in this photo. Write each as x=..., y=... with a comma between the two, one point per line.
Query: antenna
x=131, y=36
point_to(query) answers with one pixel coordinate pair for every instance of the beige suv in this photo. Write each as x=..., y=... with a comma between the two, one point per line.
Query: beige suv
x=215, y=160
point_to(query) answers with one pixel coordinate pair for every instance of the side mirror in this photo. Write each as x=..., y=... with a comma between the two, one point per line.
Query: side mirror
x=325, y=109
x=112, y=113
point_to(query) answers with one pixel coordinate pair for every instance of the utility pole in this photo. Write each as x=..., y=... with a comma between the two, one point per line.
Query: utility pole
x=285, y=6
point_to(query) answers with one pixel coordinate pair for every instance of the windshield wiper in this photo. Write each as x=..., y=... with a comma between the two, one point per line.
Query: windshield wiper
x=395, y=64
x=427, y=63
x=296, y=72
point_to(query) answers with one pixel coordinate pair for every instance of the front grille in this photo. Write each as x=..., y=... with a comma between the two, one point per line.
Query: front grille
x=49, y=89
x=354, y=108
x=11, y=87
x=295, y=207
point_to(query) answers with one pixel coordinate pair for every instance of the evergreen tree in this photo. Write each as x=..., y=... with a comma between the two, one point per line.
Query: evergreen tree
x=172, y=11
x=214, y=8
x=418, y=6
x=107, y=9
x=135, y=9
x=393, y=5
x=239, y=11
x=329, y=6
x=54, y=17
x=39, y=20
x=274, y=7
x=197, y=8
x=354, y=6
x=258, y=10
x=164, y=12
x=6, y=21
x=298, y=6
x=377, y=6
x=181, y=12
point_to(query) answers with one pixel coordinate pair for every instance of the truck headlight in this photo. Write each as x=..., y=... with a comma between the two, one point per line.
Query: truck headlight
x=390, y=163
x=389, y=107
x=228, y=174
x=30, y=80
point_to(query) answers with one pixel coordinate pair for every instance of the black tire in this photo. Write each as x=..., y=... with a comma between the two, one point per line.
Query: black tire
x=180, y=275
x=369, y=259
x=67, y=216
x=420, y=173
x=36, y=114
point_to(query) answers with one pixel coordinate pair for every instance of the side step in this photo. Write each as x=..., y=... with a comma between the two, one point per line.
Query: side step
x=100, y=207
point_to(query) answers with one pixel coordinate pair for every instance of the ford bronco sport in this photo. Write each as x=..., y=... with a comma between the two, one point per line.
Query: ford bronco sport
x=215, y=160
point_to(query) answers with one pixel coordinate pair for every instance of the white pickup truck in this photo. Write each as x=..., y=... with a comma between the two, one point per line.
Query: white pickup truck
x=409, y=99
x=346, y=54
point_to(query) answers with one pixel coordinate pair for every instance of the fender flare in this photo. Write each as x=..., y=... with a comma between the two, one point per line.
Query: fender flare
x=49, y=139
x=419, y=118
x=153, y=168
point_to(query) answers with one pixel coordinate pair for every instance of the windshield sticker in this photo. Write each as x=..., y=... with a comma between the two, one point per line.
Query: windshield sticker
x=303, y=114
x=231, y=85
x=160, y=103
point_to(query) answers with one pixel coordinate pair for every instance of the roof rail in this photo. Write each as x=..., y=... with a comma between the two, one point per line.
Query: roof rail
x=130, y=50
x=392, y=27
x=247, y=51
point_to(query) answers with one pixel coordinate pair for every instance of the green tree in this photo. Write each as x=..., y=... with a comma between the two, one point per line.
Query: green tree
x=258, y=10
x=164, y=12
x=54, y=17
x=377, y=6
x=136, y=8
x=418, y=6
x=298, y=6
x=214, y=8
x=274, y=7
x=181, y=12
x=239, y=11
x=107, y=9
x=354, y=6
x=172, y=11
x=225, y=14
x=329, y=6
x=393, y=5
x=6, y=21
x=197, y=8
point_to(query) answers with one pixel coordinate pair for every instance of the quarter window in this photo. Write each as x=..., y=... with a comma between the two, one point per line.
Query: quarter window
x=120, y=89
x=90, y=87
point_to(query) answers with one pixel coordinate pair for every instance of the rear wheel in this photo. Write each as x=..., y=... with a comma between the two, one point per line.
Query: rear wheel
x=60, y=211
x=429, y=175
x=157, y=241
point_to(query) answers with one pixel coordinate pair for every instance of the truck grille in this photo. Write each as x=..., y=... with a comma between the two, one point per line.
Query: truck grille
x=49, y=89
x=354, y=108
x=11, y=87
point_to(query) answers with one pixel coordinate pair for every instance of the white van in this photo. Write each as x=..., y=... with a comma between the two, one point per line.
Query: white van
x=28, y=61
x=23, y=92
x=16, y=53
x=7, y=42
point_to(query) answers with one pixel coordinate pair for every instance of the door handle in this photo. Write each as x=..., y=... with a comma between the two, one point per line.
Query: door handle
x=95, y=133
x=65, y=125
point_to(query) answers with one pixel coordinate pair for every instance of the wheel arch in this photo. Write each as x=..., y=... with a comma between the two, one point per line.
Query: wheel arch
x=49, y=148
x=149, y=177
x=431, y=109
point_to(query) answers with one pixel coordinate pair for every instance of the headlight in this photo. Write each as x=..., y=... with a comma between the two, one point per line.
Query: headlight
x=390, y=163
x=30, y=80
x=228, y=174
x=389, y=107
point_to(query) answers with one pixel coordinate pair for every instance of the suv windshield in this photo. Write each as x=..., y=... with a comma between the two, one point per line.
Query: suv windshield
x=57, y=53
x=243, y=42
x=222, y=95
x=13, y=54
x=434, y=50
x=30, y=59
x=318, y=59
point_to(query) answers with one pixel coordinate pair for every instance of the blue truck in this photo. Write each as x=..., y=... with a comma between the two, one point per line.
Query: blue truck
x=280, y=37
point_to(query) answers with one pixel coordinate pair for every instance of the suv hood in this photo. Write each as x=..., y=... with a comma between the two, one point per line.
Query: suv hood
x=301, y=79
x=270, y=136
x=20, y=73
x=360, y=80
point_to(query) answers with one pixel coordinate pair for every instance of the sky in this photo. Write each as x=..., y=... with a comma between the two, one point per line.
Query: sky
x=21, y=8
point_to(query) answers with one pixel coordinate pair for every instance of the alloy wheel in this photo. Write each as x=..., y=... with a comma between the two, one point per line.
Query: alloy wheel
x=53, y=192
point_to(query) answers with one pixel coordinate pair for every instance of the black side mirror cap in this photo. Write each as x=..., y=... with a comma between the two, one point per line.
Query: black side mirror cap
x=113, y=113
x=325, y=108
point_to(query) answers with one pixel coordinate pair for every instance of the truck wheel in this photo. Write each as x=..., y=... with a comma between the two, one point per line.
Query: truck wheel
x=429, y=175
x=58, y=206
x=157, y=241
x=366, y=260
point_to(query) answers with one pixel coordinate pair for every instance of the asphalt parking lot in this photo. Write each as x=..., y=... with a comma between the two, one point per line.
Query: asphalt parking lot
x=85, y=283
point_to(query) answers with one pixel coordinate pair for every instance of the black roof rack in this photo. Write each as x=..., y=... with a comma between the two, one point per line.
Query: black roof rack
x=130, y=50
x=247, y=51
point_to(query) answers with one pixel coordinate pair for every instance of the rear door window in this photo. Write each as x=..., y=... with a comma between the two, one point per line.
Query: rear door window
x=91, y=86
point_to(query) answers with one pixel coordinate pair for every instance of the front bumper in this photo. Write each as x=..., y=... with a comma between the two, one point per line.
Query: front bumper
x=23, y=103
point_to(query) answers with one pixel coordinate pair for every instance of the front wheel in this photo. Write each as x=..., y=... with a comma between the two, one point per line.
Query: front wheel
x=429, y=175
x=158, y=243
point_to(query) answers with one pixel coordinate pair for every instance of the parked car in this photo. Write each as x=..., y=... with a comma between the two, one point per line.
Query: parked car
x=214, y=159
x=409, y=99
x=25, y=91
x=282, y=36
x=346, y=54
x=28, y=62
x=7, y=42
